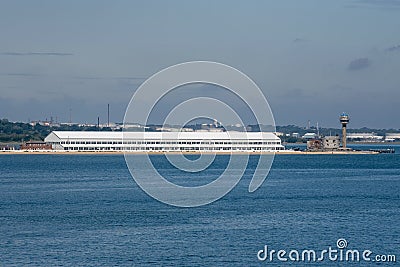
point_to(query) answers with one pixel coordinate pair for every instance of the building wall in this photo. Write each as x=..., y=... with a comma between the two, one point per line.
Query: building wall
x=196, y=141
x=331, y=142
x=314, y=145
x=393, y=135
x=364, y=136
x=35, y=146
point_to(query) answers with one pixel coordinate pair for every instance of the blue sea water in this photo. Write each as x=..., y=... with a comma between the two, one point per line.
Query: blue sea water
x=86, y=210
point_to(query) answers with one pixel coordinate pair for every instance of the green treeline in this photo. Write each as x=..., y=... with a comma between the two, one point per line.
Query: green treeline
x=19, y=132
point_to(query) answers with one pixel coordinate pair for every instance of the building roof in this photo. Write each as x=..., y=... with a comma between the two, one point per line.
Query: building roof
x=393, y=135
x=65, y=135
x=309, y=135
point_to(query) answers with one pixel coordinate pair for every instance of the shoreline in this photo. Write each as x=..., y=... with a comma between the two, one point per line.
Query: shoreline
x=283, y=152
x=351, y=143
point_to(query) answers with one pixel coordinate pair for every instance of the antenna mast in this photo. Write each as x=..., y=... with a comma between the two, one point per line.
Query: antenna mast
x=108, y=115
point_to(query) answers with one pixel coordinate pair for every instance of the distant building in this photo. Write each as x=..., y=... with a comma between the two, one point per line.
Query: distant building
x=296, y=135
x=35, y=145
x=7, y=147
x=365, y=137
x=164, y=141
x=393, y=136
x=325, y=144
x=41, y=123
x=331, y=142
x=210, y=130
x=314, y=145
x=309, y=136
x=171, y=129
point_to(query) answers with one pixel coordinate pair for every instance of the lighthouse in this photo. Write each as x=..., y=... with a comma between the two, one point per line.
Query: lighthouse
x=344, y=120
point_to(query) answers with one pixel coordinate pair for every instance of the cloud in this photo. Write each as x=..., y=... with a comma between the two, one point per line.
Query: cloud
x=376, y=3
x=393, y=48
x=20, y=74
x=108, y=78
x=299, y=40
x=339, y=88
x=295, y=93
x=359, y=64
x=128, y=78
x=117, y=78
x=35, y=54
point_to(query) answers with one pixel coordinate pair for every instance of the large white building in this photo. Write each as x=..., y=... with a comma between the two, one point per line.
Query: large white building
x=364, y=136
x=164, y=141
x=393, y=136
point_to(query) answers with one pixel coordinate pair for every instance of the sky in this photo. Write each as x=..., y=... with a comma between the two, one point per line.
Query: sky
x=312, y=59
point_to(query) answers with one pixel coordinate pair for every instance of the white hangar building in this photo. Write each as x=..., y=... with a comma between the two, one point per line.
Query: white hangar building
x=164, y=141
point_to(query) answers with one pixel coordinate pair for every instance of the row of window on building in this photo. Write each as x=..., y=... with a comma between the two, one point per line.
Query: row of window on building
x=162, y=143
x=172, y=148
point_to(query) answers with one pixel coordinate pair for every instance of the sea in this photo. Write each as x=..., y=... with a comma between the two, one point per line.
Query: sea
x=86, y=210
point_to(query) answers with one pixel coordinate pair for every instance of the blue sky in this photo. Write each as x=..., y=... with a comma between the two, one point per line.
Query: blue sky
x=312, y=59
